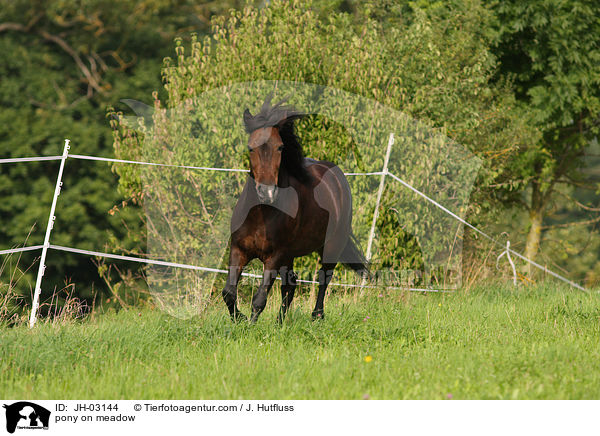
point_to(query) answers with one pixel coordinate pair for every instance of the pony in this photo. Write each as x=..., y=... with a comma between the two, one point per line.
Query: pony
x=290, y=206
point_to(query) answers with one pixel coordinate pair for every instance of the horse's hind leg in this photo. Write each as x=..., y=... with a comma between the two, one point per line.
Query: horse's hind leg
x=237, y=261
x=325, y=275
x=289, y=280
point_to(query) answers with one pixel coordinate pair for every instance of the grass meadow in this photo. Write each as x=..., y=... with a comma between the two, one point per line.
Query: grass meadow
x=493, y=342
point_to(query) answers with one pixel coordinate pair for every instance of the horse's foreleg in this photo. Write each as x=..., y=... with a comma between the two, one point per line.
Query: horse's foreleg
x=289, y=280
x=325, y=275
x=237, y=261
x=259, y=300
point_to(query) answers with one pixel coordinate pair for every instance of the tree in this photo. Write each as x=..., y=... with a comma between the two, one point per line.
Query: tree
x=63, y=63
x=551, y=50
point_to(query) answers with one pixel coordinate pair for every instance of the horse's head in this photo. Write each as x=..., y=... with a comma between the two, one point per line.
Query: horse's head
x=266, y=146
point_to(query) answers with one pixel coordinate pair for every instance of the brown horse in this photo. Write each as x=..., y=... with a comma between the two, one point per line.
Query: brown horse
x=290, y=206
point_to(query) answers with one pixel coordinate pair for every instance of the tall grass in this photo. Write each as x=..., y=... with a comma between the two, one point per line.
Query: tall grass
x=11, y=274
x=60, y=307
x=491, y=342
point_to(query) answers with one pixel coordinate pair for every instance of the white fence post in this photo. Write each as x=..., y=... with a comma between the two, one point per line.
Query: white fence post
x=38, y=283
x=379, y=194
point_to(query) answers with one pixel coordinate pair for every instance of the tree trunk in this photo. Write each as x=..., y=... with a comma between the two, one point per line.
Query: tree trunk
x=536, y=216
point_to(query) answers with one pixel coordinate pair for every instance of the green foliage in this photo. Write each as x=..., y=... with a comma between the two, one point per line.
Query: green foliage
x=551, y=51
x=551, y=48
x=63, y=63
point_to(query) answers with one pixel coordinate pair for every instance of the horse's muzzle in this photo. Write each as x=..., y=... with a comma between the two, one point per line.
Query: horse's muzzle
x=267, y=194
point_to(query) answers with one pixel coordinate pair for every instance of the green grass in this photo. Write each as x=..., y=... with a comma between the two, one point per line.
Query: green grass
x=489, y=343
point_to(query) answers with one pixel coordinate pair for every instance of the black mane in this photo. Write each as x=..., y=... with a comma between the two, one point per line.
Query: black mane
x=282, y=117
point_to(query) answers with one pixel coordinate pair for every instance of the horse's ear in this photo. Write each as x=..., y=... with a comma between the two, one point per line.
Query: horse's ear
x=247, y=118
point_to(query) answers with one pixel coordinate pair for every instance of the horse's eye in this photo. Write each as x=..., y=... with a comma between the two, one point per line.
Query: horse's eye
x=280, y=148
x=250, y=149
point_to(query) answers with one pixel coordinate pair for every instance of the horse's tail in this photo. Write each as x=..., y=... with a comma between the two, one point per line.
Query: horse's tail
x=353, y=258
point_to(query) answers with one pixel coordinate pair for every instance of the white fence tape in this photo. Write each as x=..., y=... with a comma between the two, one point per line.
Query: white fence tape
x=199, y=268
x=236, y=170
x=546, y=270
x=202, y=268
x=431, y=200
x=21, y=249
x=29, y=159
x=376, y=173
x=136, y=259
x=383, y=173
x=107, y=159
x=537, y=265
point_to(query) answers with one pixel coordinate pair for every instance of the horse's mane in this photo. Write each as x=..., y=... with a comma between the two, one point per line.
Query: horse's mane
x=278, y=115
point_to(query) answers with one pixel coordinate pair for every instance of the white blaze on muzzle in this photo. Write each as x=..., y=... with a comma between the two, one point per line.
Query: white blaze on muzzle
x=267, y=193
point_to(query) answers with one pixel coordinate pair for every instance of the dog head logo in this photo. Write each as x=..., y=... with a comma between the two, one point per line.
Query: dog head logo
x=26, y=415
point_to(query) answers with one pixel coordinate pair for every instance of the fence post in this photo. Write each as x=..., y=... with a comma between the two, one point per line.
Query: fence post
x=384, y=172
x=42, y=268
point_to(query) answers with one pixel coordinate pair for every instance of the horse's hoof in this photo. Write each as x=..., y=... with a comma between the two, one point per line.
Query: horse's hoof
x=318, y=315
x=239, y=317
